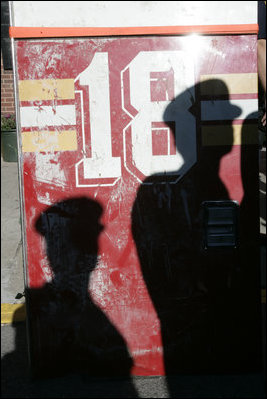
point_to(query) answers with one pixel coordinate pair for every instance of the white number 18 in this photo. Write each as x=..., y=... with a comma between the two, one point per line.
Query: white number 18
x=102, y=165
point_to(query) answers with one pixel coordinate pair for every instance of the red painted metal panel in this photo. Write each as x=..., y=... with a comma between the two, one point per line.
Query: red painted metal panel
x=112, y=136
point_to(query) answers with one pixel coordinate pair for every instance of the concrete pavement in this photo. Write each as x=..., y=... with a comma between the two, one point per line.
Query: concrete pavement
x=16, y=382
x=12, y=280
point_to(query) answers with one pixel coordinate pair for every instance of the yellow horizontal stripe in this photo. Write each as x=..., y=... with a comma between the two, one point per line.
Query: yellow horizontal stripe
x=229, y=134
x=46, y=89
x=237, y=83
x=38, y=141
x=12, y=312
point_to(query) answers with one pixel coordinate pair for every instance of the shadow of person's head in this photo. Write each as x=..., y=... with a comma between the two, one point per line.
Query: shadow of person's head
x=200, y=118
x=73, y=332
x=71, y=230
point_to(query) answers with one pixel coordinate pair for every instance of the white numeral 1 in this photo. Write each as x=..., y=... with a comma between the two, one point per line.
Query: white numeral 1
x=102, y=164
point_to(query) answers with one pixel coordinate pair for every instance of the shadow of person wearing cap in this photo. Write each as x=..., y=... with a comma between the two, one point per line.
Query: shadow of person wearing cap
x=192, y=289
x=68, y=332
x=250, y=262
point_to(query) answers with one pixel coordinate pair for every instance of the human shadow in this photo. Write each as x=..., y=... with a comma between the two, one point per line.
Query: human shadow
x=68, y=333
x=250, y=262
x=194, y=289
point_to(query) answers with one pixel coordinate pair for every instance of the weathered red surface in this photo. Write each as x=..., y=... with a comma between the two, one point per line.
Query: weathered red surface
x=117, y=285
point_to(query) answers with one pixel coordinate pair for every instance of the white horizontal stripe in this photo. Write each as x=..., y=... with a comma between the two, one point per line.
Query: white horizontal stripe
x=132, y=13
x=224, y=110
x=48, y=116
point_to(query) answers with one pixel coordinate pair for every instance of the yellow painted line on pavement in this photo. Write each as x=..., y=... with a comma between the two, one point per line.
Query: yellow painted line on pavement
x=12, y=312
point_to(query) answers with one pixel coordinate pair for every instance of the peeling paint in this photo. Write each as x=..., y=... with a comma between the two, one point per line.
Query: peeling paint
x=139, y=352
x=47, y=272
x=44, y=199
x=47, y=172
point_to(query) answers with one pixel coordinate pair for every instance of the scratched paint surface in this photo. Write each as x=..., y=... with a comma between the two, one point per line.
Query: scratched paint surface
x=94, y=125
